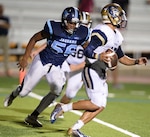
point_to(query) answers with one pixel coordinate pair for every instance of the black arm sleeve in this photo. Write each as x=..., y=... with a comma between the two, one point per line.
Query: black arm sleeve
x=88, y=52
x=119, y=52
x=98, y=38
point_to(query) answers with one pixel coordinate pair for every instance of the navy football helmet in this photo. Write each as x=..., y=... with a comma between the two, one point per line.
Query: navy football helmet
x=70, y=15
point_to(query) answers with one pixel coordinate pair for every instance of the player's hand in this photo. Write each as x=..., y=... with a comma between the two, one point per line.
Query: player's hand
x=143, y=60
x=104, y=57
x=22, y=64
x=77, y=67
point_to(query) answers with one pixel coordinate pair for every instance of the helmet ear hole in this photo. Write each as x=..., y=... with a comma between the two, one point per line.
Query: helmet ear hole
x=65, y=22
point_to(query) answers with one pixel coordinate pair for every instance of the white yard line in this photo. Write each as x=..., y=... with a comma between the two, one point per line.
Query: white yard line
x=79, y=113
x=95, y=119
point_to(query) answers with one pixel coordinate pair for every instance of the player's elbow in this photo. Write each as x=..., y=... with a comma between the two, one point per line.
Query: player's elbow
x=88, y=52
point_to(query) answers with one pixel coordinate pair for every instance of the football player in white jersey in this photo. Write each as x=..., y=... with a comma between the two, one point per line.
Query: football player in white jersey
x=104, y=36
x=74, y=65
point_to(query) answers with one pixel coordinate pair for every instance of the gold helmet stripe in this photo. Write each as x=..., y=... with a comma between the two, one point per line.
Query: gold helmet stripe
x=100, y=37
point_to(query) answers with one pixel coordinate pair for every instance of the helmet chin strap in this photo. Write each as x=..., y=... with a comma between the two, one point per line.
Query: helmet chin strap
x=70, y=31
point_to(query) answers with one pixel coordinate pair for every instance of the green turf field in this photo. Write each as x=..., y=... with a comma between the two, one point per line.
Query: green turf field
x=127, y=113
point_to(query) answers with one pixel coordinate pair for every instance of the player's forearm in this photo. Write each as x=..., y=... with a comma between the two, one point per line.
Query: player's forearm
x=89, y=52
x=127, y=60
x=77, y=67
x=131, y=61
x=29, y=49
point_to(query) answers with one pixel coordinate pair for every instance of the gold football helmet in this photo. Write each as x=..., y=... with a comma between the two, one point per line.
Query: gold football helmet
x=114, y=14
x=85, y=19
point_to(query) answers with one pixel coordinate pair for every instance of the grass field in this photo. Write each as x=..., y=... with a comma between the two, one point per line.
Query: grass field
x=127, y=113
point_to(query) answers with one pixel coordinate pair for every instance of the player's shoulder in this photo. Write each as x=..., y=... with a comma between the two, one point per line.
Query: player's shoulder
x=83, y=27
x=83, y=30
x=99, y=32
x=102, y=28
x=53, y=22
x=83, y=33
x=54, y=26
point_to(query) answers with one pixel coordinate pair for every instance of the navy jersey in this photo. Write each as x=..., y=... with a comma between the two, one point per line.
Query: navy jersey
x=61, y=44
x=4, y=31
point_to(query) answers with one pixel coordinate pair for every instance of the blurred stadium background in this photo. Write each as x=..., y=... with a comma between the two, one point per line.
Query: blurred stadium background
x=28, y=17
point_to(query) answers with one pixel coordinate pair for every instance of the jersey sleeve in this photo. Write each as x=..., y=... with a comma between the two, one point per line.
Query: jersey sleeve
x=48, y=27
x=98, y=38
x=82, y=31
x=119, y=52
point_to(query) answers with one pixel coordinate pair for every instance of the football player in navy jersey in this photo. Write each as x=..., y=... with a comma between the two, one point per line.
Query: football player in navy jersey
x=73, y=65
x=104, y=36
x=63, y=37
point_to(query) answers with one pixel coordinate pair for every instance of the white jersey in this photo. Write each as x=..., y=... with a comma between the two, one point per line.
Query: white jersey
x=75, y=59
x=114, y=38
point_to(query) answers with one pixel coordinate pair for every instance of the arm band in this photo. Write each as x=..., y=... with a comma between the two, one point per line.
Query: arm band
x=97, y=56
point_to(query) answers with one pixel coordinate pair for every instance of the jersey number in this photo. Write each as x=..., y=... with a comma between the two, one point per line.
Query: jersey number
x=64, y=48
x=79, y=54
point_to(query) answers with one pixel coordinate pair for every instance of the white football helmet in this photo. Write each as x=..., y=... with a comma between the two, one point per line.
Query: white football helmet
x=85, y=19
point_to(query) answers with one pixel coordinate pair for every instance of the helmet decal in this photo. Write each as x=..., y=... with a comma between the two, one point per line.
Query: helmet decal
x=113, y=12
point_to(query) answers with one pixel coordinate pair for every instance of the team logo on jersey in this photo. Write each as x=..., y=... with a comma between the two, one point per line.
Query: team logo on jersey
x=68, y=41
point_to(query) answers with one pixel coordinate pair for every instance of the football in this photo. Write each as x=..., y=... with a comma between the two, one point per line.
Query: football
x=112, y=64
